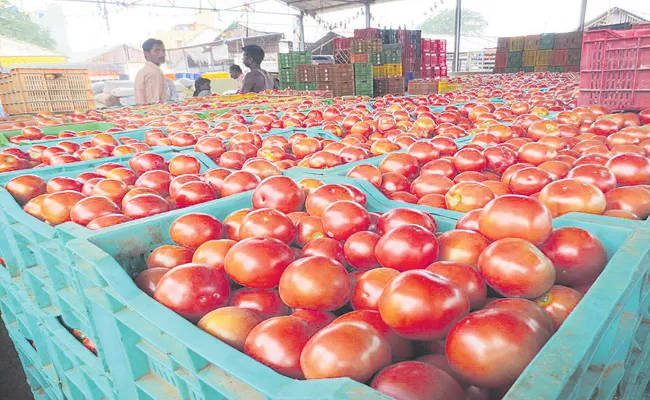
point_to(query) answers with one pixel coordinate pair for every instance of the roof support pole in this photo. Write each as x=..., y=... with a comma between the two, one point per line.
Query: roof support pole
x=301, y=30
x=457, y=22
x=583, y=11
x=367, y=5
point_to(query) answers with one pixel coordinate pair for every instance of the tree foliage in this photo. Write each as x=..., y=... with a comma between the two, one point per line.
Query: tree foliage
x=472, y=23
x=17, y=25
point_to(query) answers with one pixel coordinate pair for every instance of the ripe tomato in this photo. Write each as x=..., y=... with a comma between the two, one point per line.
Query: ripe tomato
x=423, y=152
x=516, y=268
x=491, y=348
x=404, y=216
x=462, y=246
x=278, y=343
x=359, y=250
x=193, y=290
x=169, y=256
x=148, y=279
x=407, y=247
x=366, y=172
x=499, y=158
x=193, y=193
x=238, y=182
x=143, y=162
x=444, y=167
x=90, y=208
x=466, y=277
x=317, y=319
x=578, y=256
x=468, y=196
x=572, y=195
x=145, y=205
x=193, y=229
x=279, y=192
x=269, y=223
x=214, y=177
x=265, y=303
x=558, y=303
x=213, y=253
x=536, y=153
x=469, y=221
x=634, y=199
x=420, y=305
x=325, y=247
x=529, y=180
x=393, y=183
x=342, y=219
x=369, y=287
x=315, y=283
x=524, y=307
x=107, y=220
x=258, y=262
x=417, y=380
x=111, y=188
x=469, y=160
x=158, y=181
x=26, y=187
x=347, y=349
x=630, y=169
x=431, y=184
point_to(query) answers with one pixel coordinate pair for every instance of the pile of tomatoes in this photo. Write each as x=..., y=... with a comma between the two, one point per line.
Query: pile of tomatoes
x=313, y=285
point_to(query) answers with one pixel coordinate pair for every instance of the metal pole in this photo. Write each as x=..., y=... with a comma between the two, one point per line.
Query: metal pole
x=457, y=36
x=367, y=5
x=583, y=11
x=301, y=31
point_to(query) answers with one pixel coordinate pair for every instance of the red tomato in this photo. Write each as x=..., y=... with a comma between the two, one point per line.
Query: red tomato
x=529, y=181
x=359, y=250
x=431, y=184
x=308, y=229
x=265, y=303
x=491, y=348
x=469, y=221
x=368, y=173
x=468, y=196
x=145, y=205
x=405, y=216
x=423, y=152
x=417, y=381
x=158, y=181
x=498, y=159
x=420, y=305
x=315, y=283
x=558, y=303
x=258, y=262
x=516, y=268
x=317, y=319
x=347, y=349
x=325, y=247
x=572, y=195
x=466, y=277
x=269, y=223
x=524, y=307
x=193, y=229
x=279, y=342
x=143, y=162
x=578, y=256
x=407, y=247
x=90, y=208
x=536, y=153
x=323, y=196
x=148, y=279
x=469, y=160
x=215, y=177
x=193, y=193
x=342, y=219
x=441, y=166
x=279, y=192
x=634, y=199
x=169, y=256
x=630, y=169
x=369, y=287
x=193, y=290
x=213, y=253
x=231, y=325
x=107, y=220
x=238, y=182
x=392, y=183
x=26, y=187
x=463, y=246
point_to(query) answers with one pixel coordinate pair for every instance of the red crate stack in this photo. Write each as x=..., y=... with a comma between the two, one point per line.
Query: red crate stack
x=434, y=57
x=367, y=33
x=341, y=43
x=614, y=69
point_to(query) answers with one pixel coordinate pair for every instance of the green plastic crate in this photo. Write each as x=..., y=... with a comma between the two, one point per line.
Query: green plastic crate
x=149, y=343
x=375, y=58
x=556, y=69
x=515, y=59
x=527, y=69
x=546, y=41
x=287, y=74
x=137, y=134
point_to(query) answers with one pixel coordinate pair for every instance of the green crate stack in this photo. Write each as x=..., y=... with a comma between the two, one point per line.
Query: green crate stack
x=376, y=58
x=362, y=71
x=391, y=56
x=284, y=60
x=363, y=85
x=527, y=69
x=310, y=86
x=515, y=59
x=557, y=69
x=287, y=64
x=511, y=70
x=546, y=41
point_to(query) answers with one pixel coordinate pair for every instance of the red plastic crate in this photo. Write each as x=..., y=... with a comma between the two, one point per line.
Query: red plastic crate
x=367, y=33
x=615, y=69
x=559, y=57
x=572, y=68
x=443, y=70
x=501, y=60
x=341, y=43
x=426, y=45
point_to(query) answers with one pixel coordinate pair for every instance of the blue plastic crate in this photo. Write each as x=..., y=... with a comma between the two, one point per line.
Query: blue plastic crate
x=35, y=254
x=602, y=344
x=24, y=325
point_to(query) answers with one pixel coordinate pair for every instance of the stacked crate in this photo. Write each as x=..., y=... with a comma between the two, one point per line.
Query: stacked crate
x=554, y=52
x=434, y=58
x=423, y=86
x=363, y=82
x=306, y=77
x=337, y=78
x=288, y=64
x=384, y=86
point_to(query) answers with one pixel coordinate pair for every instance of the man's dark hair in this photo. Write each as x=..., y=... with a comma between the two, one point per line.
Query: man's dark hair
x=236, y=68
x=255, y=52
x=149, y=43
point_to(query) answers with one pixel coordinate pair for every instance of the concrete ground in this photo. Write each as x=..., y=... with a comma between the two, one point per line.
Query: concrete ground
x=13, y=384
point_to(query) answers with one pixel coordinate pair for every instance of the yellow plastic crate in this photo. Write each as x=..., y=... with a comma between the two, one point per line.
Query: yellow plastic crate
x=379, y=71
x=543, y=58
x=517, y=43
x=529, y=58
x=541, y=68
x=444, y=87
x=393, y=70
x=216, y=75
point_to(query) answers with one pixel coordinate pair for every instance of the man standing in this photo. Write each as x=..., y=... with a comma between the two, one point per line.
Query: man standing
x=238, y=75
x=150, y=81
x=258, y=80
